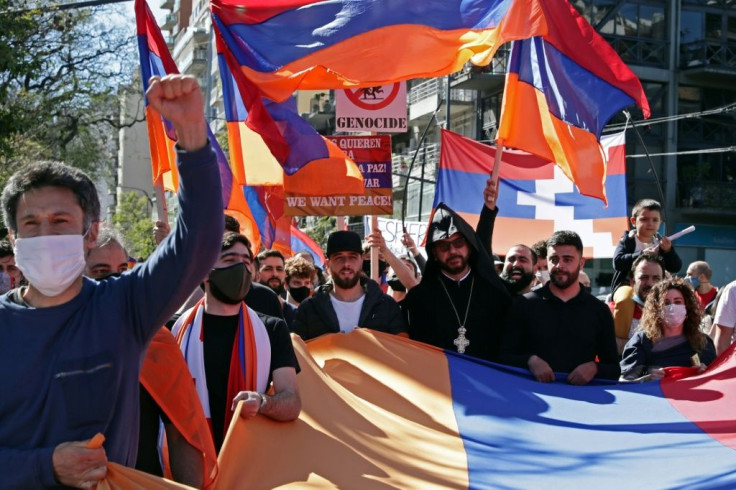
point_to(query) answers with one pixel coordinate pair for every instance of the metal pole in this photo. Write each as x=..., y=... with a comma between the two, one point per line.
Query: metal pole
x=447, y=102
x=209, y=82
x=411, y=165
x=421, y=182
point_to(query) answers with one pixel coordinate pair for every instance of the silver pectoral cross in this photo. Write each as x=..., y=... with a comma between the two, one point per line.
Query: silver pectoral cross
x=461, y=341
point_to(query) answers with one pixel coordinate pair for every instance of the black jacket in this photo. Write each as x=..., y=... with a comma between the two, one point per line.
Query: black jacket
x=316, y=316
x=625, y=255
x=430, y=316
x=263, y=300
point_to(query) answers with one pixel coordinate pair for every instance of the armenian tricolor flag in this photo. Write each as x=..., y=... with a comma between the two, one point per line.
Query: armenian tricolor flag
x=269, y=143
x=561, y=90
x=156, y=60
x=300, y=241
x=380, y=411
x=321, y=44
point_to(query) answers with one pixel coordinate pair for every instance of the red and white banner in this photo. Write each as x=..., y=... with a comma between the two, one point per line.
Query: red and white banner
x=380, y=109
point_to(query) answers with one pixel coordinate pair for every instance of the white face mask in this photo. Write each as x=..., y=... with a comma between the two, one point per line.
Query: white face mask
x=542, y=276
x=50, y=263
x=674, y=315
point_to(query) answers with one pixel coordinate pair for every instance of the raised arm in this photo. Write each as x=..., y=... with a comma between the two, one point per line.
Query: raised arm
x=185, y=256
x=487, y=219
x=405, y=275
x=409, y=243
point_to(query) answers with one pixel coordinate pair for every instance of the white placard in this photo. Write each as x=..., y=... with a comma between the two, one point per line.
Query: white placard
x=392, y=233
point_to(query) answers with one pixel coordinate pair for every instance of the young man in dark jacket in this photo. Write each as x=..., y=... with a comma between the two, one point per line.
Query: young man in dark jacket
x=349, y=300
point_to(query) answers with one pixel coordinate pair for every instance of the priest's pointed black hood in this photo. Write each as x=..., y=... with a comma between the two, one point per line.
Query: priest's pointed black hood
x=444, y=223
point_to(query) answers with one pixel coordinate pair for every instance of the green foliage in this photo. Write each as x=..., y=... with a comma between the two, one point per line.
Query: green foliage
x=59, y=78
x=132, y=218
x=321, y=229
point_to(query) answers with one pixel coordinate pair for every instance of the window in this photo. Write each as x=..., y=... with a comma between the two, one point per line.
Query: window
x=691, y=26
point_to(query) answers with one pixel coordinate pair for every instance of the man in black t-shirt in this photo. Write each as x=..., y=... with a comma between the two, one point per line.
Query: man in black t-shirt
x=560, y=327
x=234, y=353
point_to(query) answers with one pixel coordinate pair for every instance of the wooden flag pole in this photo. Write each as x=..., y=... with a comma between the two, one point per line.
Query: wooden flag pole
x=497, y=164
x=341, y=223
x=374, y=252
x=162, y=213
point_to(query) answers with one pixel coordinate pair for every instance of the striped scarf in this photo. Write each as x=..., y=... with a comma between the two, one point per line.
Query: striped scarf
x=250, y=363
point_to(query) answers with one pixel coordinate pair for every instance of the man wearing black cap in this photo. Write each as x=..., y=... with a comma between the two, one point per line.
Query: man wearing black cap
x=349, y=300
x=461, y=303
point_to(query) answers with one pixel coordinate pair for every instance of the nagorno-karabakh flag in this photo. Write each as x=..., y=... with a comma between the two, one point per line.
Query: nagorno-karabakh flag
x=337, y=44
x=380, y=411
x=535, y=198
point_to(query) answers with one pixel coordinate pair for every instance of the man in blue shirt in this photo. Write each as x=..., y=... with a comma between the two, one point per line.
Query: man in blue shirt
x=71, y=347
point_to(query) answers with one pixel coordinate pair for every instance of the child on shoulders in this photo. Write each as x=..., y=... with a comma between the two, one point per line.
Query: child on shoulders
x=646, y=217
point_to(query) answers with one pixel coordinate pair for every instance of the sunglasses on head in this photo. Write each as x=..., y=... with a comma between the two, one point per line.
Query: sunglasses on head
x=457, y=243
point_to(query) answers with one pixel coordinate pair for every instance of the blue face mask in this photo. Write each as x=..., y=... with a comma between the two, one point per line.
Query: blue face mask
x=694, y=281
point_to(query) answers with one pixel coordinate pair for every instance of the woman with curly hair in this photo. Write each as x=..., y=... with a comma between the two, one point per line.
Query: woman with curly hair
x=668, y=335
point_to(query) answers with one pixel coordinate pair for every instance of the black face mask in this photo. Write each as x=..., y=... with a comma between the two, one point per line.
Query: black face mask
x=230, y=284
x=382, y=267
x=395, y=284
x=300, y=294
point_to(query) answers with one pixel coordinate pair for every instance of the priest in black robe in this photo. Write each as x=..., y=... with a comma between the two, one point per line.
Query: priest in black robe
x=461, y=302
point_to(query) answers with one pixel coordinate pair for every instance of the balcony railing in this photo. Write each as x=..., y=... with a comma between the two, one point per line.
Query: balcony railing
x=437, y=86
x=401, y=162
x=200, y=54
x=170, y=21
x=497, y=66
x=707, y=194
x=638, y=51
x=710, y=54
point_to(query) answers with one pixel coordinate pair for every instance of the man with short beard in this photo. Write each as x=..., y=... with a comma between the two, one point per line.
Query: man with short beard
x=271, y=270
x=560, y=328
x=349, y=300
x=518, y=269
x=460, y=303
x=271, y=265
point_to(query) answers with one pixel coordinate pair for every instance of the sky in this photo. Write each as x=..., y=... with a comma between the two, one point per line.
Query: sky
x=123, y=13
x=157, y=12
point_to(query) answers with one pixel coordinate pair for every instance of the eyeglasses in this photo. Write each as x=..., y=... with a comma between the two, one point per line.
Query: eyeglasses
x=457, y=243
